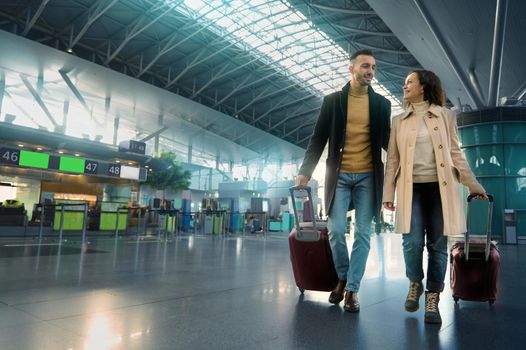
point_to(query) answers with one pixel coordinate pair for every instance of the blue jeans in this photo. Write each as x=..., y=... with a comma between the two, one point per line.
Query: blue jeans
x=359, y=188
x=427, y=228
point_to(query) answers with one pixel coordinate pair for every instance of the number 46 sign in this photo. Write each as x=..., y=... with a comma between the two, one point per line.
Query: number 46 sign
x=9, y=156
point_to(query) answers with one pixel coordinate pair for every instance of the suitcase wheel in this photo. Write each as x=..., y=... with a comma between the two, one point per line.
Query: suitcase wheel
x=301, y=290
x=456, y=299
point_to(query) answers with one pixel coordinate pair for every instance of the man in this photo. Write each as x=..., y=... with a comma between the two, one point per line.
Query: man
x=356, y=123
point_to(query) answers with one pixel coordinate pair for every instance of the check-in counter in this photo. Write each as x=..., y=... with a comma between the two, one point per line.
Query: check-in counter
x=108, y=216
x=74, y=212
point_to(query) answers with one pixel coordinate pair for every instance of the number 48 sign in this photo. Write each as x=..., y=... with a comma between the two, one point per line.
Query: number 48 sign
x=9, y=156
x=114, y=170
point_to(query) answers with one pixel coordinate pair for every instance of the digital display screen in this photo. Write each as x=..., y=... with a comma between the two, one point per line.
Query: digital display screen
x=72, y=165
x=128, y=172
x=34, y=159
x=40, y=160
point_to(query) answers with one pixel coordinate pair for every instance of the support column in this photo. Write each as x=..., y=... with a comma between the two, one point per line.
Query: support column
x=496, y=53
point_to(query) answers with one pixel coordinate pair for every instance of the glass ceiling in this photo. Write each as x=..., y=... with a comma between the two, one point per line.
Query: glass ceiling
x=283, y=38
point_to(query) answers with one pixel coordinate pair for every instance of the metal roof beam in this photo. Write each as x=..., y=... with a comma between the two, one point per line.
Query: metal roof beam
x=364, y=31
x=170, y=45
x=155, y=133
x=138, y=26
x=94, y=13
x=520, y=92
x=281, y=106
x=293, y=116
x=33, y=19
x=449, y=55
x=344, y=10
x=74, y=89
x=39, y=100
x=496, y=52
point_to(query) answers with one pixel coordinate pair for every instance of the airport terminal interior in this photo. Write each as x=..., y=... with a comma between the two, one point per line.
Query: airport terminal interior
x=147, y=154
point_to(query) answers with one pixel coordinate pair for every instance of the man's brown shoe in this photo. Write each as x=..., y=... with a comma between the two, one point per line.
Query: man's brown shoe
x=337, y=293
x=351, y=302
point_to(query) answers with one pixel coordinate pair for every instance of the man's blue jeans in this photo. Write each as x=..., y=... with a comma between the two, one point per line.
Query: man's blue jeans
x=427, y=228
x=359, y=188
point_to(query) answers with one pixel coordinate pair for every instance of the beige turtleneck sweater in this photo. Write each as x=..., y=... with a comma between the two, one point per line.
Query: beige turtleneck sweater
x=357, y=155
x=424, y=163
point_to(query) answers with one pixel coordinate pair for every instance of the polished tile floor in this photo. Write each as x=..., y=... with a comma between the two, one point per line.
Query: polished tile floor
x=202, y=292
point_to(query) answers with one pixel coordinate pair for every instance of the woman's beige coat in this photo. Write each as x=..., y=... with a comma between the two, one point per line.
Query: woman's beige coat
x=452, y=167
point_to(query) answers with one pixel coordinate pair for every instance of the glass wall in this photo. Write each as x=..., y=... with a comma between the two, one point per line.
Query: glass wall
x=496, y=152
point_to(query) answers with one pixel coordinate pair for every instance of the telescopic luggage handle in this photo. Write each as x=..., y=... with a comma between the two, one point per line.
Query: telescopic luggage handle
x=309, y=194
x=488, y=232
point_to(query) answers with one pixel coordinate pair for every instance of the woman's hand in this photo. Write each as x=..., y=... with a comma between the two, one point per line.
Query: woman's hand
x=389, y=206
x=479, y=196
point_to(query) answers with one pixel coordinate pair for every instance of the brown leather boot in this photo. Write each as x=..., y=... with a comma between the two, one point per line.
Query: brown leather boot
x=351, y=302
x=337, y=293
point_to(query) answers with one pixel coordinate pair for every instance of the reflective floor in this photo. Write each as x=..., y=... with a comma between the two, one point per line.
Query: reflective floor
x=202, y=292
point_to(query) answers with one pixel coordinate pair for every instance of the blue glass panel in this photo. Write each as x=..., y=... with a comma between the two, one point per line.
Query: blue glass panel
x=514, y=132
x=477, y=134
x=497, y=188
x=521, y=223
x=515, y=160
x=486, y=160
x=516, y=192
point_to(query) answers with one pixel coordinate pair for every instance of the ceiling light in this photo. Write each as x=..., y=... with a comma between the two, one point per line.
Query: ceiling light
x=20, y=145
x=130, y=163
x=61, y=152
x=76, y=154
x=39, y=148
x=117, y=161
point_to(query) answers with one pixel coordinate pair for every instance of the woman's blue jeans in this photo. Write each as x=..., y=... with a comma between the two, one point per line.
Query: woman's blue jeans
x=359, y=188
x=427, y=228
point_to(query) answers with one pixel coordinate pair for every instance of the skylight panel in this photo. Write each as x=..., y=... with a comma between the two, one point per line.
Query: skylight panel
x=278, y=35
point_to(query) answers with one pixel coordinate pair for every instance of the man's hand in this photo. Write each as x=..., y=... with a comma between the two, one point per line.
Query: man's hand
x=302, y=180
x=389, y=206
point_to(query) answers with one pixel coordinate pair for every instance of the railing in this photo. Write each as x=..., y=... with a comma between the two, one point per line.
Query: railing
x=145, y=221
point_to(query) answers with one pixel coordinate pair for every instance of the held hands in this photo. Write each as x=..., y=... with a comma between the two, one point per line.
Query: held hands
x=389, y=206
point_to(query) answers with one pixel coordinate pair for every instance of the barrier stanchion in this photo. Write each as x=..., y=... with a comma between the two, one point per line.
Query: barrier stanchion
x=41, y=221
x=85, y=222
x=117, y=222
x=138, y=219
x=61, y=223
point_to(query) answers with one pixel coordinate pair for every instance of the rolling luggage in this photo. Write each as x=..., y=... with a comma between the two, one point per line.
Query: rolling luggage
x=475, y=264
x=310, y=252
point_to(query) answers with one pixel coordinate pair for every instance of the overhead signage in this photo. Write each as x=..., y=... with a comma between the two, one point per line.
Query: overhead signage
x=39, y=160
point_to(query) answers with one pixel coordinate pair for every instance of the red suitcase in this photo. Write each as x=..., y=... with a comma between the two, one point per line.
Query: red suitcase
x=475, y=264
x=310, y=252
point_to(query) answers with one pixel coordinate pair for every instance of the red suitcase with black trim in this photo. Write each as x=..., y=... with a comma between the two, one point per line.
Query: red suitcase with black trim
x=310, y=252
x=475, y=264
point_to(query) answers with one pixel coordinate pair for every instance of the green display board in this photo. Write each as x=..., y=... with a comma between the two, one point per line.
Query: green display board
x=34, y=159
x=72, y=165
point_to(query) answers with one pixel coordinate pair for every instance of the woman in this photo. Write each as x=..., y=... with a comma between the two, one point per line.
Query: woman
x=424, y=166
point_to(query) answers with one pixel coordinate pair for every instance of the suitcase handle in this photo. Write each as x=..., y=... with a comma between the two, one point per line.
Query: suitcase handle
x=488, y=232
x=309, y=194
x=473, y=195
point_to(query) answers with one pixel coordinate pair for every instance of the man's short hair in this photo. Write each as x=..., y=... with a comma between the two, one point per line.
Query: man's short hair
x=365, y=52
